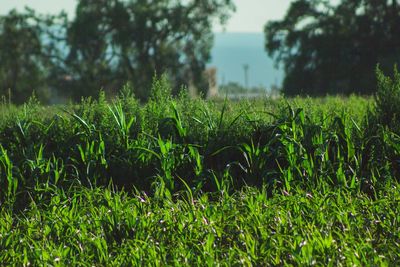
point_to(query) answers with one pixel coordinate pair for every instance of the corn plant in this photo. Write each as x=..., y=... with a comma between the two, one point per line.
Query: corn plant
x=122, y=124
x=7, y=179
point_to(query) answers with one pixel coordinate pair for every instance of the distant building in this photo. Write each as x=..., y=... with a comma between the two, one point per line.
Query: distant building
x=211, y=77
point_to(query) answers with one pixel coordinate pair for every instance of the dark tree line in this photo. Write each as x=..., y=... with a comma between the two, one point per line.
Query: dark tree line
x=108, y=43
x=334, y=48
x=323, y=47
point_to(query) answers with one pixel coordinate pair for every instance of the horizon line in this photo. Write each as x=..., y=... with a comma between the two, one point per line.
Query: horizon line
x=238, y=32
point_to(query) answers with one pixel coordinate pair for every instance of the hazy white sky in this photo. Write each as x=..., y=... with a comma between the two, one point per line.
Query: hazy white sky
x=250, y=16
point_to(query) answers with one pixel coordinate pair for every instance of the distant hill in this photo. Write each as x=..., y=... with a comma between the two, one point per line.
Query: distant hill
x=232, y=50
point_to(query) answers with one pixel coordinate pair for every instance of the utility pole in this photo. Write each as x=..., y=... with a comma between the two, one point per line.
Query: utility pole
x=246, y=75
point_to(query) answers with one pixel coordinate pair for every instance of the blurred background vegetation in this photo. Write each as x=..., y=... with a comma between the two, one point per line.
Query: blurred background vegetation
x=107, y=44
x=334, y=46
x=324, y=47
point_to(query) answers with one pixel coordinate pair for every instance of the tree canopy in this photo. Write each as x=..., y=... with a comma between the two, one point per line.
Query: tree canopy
x=109, y=43
x=328, y=48
x=23, y=68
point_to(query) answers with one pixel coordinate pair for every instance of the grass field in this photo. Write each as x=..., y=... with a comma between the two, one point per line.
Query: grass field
x=175, y=181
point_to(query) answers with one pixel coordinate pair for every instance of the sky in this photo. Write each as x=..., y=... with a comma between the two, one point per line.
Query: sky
x=250, y=16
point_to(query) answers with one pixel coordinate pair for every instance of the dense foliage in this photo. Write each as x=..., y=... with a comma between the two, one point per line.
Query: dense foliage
x=330, y=47
x=266, y=182
x=103, y=227
x=169, y=140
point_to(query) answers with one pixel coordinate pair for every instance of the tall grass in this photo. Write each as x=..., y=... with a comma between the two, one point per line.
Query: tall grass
x=280, y=144
x=105, y=227
x=179, y=181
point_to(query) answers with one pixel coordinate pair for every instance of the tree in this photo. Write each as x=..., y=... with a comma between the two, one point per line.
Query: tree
x=114, y=41
x=326, y=48
x=22, y=65
x=29, y=54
